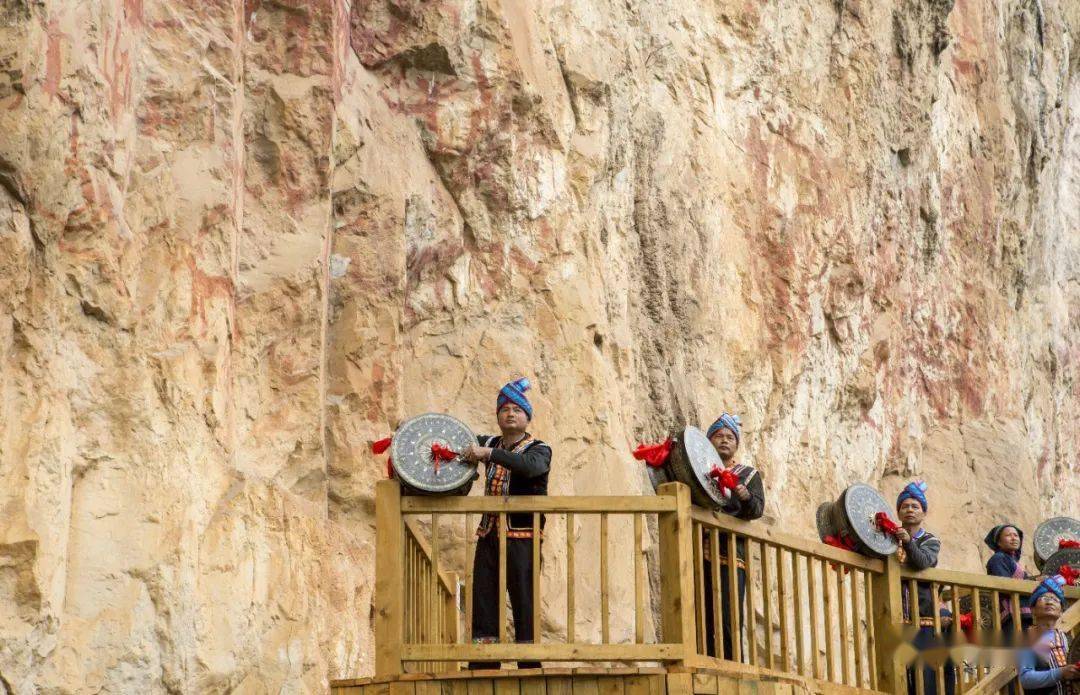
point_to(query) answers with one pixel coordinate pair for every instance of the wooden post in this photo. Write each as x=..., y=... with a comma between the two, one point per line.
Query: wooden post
x=887, y=619
x=676, y=553
x=389, y=578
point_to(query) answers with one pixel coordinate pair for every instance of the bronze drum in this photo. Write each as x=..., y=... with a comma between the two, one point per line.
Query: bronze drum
x=1049, y=533
x=852, y=516
x=414, y=464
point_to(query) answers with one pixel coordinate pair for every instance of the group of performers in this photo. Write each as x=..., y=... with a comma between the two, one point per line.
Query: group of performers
x=518, y=463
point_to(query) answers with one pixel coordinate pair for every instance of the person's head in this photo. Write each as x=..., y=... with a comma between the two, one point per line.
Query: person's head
x=1007, y=538
x=1048, y=600
x=512, y=409
x=911, y=504
x=724, y=435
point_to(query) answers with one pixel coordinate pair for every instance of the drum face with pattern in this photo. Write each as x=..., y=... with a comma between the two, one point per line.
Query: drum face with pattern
x=1067, y=556
x=692, y=457
x=853, y=515
x=1049, y=533
x=414, y=463
x=986, y=608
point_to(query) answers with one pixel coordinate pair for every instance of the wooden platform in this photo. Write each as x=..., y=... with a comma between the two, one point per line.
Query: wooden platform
x=737, y=680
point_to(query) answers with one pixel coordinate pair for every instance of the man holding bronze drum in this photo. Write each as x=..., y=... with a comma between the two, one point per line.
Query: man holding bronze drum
x=516, y=463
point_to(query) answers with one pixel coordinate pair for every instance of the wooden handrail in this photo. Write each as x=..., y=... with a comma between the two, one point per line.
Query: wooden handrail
x=980, y=581
x=614, y=504
x=759, y=532
x=447, y=580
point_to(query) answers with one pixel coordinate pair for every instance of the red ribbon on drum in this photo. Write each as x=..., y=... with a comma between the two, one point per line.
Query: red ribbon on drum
x=887, y=525
x=726, y=479
x=655, y=455
x=379, y=447
x=440, y=453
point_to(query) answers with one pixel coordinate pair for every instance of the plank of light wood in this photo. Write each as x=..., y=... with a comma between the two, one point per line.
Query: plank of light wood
x=887, y=616
x=997, y=679
x=871, y=648
x=1070, y=619
x=421, y=542
x=845, y=627
x=676, y=597
x=830, y=623
x=916, y=617
x=470, y=560
x=800, y=613
x=976, y=608
x=858, y=638
x=542, y=652
x=536, y=503
x=508, y=686
x=699, y=587
x=995, y=606
x=605, y=595
x=714, y=577
x=939, y=671
x=1014, y=601
x=751, y=612
x=536, y=576
x=782, y=596
x=639, y=579
x=533, y=686
x=766, y=599
x=570, y=593
x=982, y=581
x=480, y=686
x=389, y=578
x=500, y=598
x=585, y=685
x=733, y=598
x=750, y=529
x=560, y=685
x=815, y=615
x=610, y=685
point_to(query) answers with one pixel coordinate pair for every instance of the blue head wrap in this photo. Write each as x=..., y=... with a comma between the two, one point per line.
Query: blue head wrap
x=730, y=422
x=514, y=392
x=1051, y=585
x=915, y=490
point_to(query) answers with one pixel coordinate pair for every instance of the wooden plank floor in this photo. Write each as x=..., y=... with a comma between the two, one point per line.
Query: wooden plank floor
x=594, y=681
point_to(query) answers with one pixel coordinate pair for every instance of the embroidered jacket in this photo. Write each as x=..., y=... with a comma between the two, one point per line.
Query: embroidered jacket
x=520, y=470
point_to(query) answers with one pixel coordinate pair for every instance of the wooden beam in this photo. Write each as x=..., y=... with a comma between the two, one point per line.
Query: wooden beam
x=536, y=503
x=886, y=618
x=994, y=681
x=981, y=581
x=389, y=578
x=542, y=652
x=676, y=554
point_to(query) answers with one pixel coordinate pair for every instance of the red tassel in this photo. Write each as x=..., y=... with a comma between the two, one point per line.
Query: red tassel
x=1067, y=543
x=380, y=446
x=967, y=622
x=725, y=478
x=655, y=455
x=887, y=525
x=440, y=453
x=1069, y=574
x=843, y=542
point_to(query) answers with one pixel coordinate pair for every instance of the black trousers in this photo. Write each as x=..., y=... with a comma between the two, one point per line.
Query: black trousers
x=486, y=599
x=725, y=608
x=926, y=639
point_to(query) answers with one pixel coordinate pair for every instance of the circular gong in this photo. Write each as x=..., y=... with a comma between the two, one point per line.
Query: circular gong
x=1068, y=556
x=1049, y=533
x=414, y=463
x=692, y=457
x=860, y=504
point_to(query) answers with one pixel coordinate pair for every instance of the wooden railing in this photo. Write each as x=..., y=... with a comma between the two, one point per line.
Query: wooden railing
x=809, y=610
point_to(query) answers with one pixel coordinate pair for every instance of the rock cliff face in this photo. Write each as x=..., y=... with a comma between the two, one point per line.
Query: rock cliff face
x=240, y=240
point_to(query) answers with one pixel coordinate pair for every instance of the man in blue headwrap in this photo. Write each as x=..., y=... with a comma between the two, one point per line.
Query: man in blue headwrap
x=745, y=501
x=516, y=463
x=1043, y=668
x=919, y=550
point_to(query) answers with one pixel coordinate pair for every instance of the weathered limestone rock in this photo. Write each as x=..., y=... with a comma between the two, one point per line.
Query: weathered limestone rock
x=240, y=240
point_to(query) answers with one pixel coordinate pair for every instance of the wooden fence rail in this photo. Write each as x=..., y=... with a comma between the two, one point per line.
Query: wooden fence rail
x=806, y=609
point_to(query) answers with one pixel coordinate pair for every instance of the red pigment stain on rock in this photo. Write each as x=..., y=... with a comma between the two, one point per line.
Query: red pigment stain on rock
x=51, y=84
x=440, y=255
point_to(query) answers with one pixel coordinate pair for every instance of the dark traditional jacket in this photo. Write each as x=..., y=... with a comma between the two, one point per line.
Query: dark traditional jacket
x=920, y=553
x=749, y=510
x=521, y=470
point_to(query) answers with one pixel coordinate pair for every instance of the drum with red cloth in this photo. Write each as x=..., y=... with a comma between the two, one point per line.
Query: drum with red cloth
x=1050, y=534
x=692, y=458
x=426, y=454
x=1065, y=556
x=851, y=522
